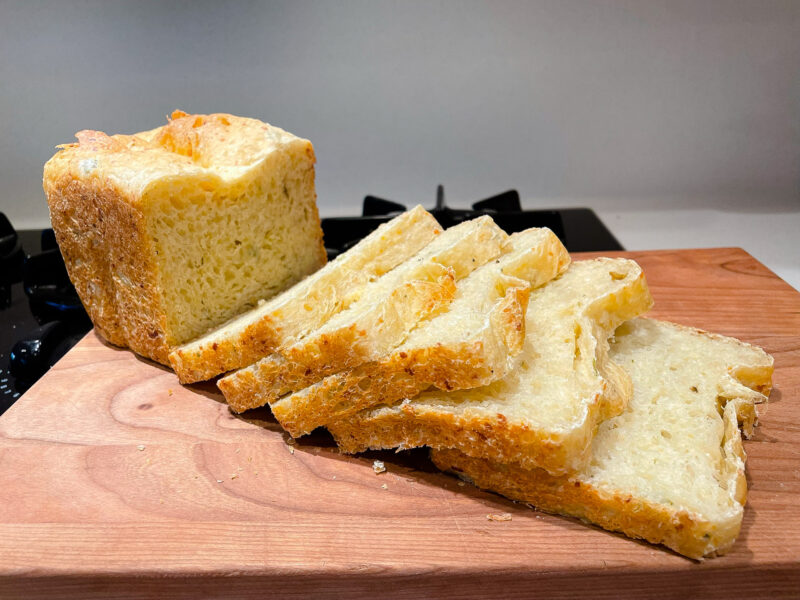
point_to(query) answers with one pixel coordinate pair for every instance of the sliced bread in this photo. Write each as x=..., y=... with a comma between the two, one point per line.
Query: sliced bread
x=382, y=318
x=468, y=346
x=670, y=468
x=308, y=305
x=545, y=411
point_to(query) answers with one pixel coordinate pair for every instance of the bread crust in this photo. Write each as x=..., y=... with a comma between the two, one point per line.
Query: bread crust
x=685, y=532
x=85, y=217
x=495, y=436
x=97, y=194
x=407, y=426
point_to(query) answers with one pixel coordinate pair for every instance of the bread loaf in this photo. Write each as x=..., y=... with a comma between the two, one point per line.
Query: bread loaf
x=170, y=232
x=670, y=468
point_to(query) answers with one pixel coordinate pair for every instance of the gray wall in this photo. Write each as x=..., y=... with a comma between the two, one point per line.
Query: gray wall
x=640, y=105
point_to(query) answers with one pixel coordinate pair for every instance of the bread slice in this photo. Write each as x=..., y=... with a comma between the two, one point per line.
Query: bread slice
x=545, y=411
x=388, y=310
x=169, y=232
x=306, y=306
x=468, y=346
x=670, y=469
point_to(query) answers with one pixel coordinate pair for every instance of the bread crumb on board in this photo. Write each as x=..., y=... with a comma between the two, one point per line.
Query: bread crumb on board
x=499, y=517
x=140, y=447
x=378, y=467
x=385, y=487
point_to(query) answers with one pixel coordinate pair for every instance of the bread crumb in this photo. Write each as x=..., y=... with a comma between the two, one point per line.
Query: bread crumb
x=334, y=476
x=237, y=450
x=461, y=484
x=219, y=480
x=140, y=447
x=290, y=441
x=378, y=467
x=169, y=392
x=291, y=450
x=385, y=487
x=500, y=517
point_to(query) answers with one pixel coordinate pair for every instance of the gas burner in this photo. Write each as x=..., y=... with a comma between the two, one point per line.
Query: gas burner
x=41, y=316
x=11, y=257
x=570, y=225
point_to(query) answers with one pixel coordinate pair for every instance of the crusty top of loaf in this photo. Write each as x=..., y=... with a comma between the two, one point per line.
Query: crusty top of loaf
x=216, y=146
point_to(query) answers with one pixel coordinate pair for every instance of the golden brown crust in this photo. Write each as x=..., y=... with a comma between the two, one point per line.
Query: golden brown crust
x=484, y=435
x=404, y=374
x=685, y=532
x=294, y=368
x=198, y=364
x=85, y=217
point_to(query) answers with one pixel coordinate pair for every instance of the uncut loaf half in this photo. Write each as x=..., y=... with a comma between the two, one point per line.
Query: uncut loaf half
x=170, y=232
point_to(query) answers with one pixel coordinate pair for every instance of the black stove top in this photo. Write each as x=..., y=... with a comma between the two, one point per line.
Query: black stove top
x=41, y=317
x=579, y=229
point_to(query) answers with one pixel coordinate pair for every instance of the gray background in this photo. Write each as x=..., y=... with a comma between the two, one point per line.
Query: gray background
x=679, y=122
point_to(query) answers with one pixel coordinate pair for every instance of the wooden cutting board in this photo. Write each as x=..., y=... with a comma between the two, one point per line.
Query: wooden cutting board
x=116, y=482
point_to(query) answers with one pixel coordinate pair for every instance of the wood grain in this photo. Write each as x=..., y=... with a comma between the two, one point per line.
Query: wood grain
x=116, y=482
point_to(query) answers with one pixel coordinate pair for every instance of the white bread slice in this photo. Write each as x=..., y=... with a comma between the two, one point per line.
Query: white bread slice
x=307, y=305
x=388, y=310
x=468, y=346
x=670, y=469
x=545, y=411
